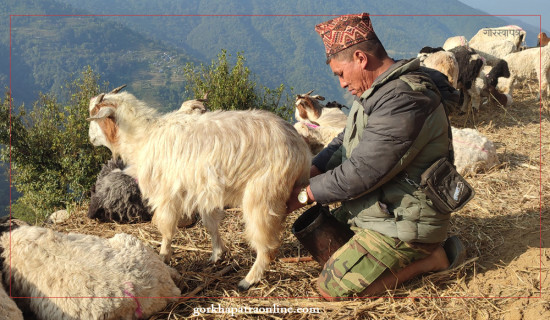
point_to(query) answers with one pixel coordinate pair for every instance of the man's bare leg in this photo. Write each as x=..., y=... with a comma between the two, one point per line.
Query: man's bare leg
x=436, y=261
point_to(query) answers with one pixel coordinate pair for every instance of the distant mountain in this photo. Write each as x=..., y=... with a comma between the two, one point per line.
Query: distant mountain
x=53, y=44
x=278, y=38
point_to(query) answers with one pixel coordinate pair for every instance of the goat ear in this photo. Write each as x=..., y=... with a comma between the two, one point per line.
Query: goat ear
x=103, y=113
x=318, y=97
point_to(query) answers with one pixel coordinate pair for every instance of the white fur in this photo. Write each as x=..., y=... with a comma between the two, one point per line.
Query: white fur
x=454, y=42
x=188, y=163
x=512, y=33
x=494, y=50
x=316, y=123
x=527, y=64
x=473, y=151
x=8, y=308
x=445, y=62
x=93, y=277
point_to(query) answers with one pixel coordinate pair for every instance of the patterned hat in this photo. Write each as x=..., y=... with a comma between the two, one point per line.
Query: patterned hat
x=343, y=32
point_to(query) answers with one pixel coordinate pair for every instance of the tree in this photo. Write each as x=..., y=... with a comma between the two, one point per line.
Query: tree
x=231, y=88
x=53, y=163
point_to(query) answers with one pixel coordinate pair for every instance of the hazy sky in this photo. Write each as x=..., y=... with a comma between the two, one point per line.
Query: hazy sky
x=516, y=7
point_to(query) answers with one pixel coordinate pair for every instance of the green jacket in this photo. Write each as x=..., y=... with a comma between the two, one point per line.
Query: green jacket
x=395, y=131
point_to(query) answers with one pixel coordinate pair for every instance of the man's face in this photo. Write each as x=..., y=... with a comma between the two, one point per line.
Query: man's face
x=351, y=74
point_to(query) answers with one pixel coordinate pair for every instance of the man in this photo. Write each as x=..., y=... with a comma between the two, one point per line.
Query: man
x=396, y=129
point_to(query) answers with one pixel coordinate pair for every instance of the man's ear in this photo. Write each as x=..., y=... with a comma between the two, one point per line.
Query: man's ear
x=361, y=58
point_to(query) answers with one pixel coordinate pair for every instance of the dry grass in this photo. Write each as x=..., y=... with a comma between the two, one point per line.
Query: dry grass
x=506, y=276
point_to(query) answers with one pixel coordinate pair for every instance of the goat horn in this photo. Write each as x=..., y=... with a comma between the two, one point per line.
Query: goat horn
x=309, y=92
x=205, y=97
x=116, y=90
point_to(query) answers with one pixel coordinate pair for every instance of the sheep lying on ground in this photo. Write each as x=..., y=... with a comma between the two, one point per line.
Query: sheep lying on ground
x=528, y=64
x=8, y=308
x=473, y=152
x=90, y=277
x=318, y=124
x=250, y=159
x=116, y=196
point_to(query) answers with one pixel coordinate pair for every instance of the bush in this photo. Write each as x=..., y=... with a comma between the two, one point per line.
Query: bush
x=53, y=163
x=231, y=88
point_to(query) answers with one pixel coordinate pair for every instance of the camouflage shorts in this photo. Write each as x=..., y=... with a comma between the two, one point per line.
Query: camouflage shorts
x=364, y=258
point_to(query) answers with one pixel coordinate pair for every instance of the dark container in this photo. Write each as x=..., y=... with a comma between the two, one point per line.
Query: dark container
x=320, y=233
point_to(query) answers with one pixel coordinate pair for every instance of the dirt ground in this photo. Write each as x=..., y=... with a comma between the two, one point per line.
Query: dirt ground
x=504, y=229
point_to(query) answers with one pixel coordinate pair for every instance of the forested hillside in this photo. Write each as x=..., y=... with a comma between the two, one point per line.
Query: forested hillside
x=278, y=37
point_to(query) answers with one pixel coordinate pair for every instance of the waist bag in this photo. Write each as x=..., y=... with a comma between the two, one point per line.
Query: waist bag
x=445, y=187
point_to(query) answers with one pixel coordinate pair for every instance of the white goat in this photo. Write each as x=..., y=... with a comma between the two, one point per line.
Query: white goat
x=318, y=124
x=76, y=276
x=188, y=163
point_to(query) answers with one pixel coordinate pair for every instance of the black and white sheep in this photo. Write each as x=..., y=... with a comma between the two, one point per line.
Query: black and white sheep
x=470, y=65
x=188, y=163
x=75, y=276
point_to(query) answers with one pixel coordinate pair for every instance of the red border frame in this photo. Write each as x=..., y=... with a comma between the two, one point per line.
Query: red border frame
x=292, y=15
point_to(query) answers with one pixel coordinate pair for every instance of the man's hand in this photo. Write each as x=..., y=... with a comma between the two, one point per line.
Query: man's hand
x=293, y=203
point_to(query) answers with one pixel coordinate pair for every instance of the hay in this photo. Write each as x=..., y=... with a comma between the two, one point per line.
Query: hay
x=505, y=277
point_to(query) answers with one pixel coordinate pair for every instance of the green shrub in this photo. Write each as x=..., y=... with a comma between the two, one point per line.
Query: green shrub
x=232, y=88
x=53, y=163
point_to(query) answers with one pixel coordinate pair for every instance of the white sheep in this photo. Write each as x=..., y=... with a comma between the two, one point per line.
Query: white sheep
x=495, y=50
x=528, y=64
x=188, y=163
x=316, y=123
x=76, y=276
x=453, y=42
x=473, y=152
x=445, y=62
x=512, y=33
